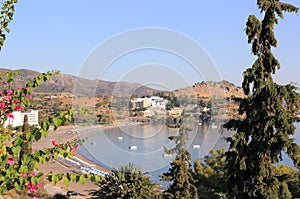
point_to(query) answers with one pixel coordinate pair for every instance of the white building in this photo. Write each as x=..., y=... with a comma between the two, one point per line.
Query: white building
x=158, y=102
x=153, y=102
x=18, y=120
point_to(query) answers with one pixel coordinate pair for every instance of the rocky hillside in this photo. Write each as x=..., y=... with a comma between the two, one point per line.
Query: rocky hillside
x=211, y=89
x=81, y=86
x=98, y=88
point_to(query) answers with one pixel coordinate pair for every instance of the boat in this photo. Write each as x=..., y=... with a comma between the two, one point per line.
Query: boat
x=165, y=155
x=196, y=146
x=120, y=138
x=133, y=147
x=213, y=126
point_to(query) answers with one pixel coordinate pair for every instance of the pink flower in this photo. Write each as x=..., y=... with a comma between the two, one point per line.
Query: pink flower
x=2, y=104
x=76, y=146
x=35, y=197
x=7, y=98
x=10, y=161
x=54, y=143
x=10, y=91
x=16, y=101
x=29, y=97
x=39, y=185
x=33, y=174
x=5, y=83
x=18, y=108
x=72, y=150
x=23, y=175
x=9, y=115
x=23, y=94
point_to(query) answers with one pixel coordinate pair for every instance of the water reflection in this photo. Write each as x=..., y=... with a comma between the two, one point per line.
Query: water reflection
x=143, y=144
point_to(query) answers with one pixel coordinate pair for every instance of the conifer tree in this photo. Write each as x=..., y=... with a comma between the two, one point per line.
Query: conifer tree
x=26, y=148
x=269, y=112
x=126, y=182
x=180, y=173
x=26, y=126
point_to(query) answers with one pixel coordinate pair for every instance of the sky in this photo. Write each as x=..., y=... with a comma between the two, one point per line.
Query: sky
x=71, y=35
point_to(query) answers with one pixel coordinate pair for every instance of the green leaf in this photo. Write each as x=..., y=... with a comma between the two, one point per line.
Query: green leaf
x=66, y=181
x=18, y=141
x=73, y=177
x=36, y=165
x=38, y=136
x=57, y=122
x=34, y=180
x=16, y=150
x=17, y=186
x=45, y=133
x=54, y=180
x=82, y=180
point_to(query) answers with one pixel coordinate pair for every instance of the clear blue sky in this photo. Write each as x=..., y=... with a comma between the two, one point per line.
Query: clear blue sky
x=58, y=34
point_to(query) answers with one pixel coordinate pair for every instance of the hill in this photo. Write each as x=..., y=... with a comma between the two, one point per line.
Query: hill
x=211, y=89
x=64, y=83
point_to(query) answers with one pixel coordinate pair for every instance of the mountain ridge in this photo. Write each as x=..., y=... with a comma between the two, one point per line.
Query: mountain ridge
x=99, y=88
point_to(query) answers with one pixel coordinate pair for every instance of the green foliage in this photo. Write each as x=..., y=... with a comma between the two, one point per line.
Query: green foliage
x=292, y=178
x=126, y=182
x=210, y=176
x=26, y=126
x=173, y=101
x=17, y=160
x=7, y=13
x=270, y=110
x=180, y=172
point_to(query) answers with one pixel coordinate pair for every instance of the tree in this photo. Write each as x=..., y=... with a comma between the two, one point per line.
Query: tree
x=26, y=148
x=210, y=175
x=180, y=173
x=293, y=180
x=126, y=182
x=269, y=111
x=26, y=126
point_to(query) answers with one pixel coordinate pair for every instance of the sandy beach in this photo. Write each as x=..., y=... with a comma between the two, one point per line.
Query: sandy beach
x=62, y=135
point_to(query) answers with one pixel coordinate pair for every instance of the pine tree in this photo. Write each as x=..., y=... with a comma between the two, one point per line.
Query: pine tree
x=180, y=173
x=210, y=174
x=26, y=146
x=269, y=113
x=26, y=126
x=126, y=182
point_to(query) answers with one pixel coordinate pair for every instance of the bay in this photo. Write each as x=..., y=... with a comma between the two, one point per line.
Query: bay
x=144, y=145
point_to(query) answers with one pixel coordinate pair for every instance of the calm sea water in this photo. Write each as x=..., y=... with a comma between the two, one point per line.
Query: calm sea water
x=144, y=145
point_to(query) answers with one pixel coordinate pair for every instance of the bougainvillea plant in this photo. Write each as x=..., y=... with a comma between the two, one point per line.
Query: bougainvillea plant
x=19, y=164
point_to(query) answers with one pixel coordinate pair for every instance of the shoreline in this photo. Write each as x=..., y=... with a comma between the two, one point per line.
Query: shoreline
x=62, y=135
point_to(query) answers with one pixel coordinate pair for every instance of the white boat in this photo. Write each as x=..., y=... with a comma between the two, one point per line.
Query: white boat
x=120, y=138
x=83, y=172
x=196, y=146
x=213, y=126
x=133, y=147
x=165, y=155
